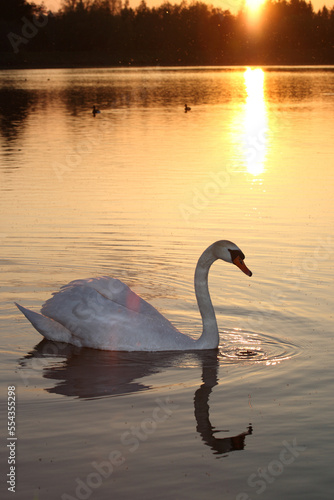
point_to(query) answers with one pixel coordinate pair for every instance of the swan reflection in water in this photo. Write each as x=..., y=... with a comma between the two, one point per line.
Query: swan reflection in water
x=90, y=374
x=204, y=428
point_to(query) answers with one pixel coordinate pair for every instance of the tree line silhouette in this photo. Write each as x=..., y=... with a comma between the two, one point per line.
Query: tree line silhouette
x=110, y=32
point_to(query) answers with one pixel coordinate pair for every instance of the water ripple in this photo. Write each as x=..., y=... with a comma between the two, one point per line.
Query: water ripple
x=256, y=347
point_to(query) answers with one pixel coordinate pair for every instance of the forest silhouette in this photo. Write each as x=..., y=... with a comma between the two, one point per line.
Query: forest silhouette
x=111, y=33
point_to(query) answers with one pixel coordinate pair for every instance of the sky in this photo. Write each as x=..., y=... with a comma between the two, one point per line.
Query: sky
x=232, y=5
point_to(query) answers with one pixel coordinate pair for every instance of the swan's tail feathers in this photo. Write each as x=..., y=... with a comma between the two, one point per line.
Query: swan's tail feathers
x=47, y=327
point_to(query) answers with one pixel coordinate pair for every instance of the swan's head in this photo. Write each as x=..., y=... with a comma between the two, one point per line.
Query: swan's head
x=230, y=252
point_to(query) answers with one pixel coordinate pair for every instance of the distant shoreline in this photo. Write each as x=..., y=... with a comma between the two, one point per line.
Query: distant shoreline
x=111, y=34
x=67, y=60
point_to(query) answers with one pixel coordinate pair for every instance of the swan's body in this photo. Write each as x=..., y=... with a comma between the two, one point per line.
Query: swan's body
x=103, y=313
x=186, y=108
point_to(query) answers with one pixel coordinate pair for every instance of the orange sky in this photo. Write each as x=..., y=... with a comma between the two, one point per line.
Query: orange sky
x=232, y=5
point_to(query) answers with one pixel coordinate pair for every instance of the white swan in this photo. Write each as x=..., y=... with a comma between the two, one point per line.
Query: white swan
x=103, y=313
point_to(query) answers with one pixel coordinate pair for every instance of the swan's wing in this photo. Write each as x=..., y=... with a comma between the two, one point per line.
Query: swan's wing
x=114, y=290
x=108, y=316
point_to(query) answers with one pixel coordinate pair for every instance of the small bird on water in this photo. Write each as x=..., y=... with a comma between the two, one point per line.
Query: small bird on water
x=95, y=111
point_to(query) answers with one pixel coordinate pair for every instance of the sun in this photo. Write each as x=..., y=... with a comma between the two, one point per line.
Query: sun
x=253, y=12
x=254, y=5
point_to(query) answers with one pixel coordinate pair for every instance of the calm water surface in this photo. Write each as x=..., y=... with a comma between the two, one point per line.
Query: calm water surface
x=138, y=192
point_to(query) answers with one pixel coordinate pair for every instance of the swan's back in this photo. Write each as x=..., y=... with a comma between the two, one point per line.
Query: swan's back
x=104, y=313
x=106, y=287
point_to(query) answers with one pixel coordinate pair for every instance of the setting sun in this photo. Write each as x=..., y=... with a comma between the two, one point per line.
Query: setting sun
x=254, y=5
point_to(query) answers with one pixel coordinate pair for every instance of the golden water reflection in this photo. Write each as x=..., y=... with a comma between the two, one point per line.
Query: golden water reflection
x=254, y=122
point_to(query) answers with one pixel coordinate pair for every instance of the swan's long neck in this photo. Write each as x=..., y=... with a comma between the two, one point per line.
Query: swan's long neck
x=210, y=336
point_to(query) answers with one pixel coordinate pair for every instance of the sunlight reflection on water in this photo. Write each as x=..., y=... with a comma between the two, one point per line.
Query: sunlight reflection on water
x=255, y=122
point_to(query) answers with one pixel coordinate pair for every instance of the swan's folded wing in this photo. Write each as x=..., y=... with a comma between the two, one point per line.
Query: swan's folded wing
x=116, y=291
x=103, y=323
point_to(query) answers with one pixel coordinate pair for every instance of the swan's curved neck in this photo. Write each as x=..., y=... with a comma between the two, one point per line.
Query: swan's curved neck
x=210, y=336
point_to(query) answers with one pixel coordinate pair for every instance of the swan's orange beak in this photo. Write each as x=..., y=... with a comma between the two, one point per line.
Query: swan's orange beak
x=241, y=265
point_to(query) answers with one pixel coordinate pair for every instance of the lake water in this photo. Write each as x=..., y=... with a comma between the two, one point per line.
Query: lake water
x=138, y=192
